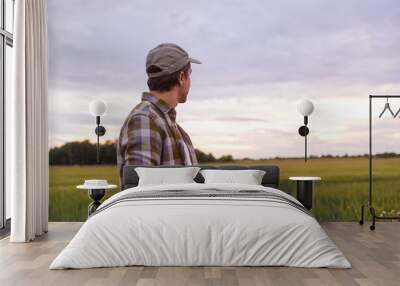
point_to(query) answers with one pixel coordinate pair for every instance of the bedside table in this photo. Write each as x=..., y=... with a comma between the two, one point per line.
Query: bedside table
x=96, y=191
x=305, y=187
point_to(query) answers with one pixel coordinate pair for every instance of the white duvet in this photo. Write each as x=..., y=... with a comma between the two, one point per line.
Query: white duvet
x=200, y=231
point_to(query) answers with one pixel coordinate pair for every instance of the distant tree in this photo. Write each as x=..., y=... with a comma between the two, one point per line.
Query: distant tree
x=225, y=158
x=247, y=159
x=82, y=153
x=387, y=155
x=327, y=156
x=203, y=157
x=85, y=153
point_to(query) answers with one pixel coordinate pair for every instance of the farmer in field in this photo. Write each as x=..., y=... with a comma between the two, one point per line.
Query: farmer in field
x=150, y=134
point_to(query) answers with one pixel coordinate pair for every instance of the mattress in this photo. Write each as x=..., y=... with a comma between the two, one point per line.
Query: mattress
x=201, y=225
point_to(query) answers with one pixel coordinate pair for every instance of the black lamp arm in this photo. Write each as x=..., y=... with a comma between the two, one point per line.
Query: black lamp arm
x=100, y=131
x=303, y=131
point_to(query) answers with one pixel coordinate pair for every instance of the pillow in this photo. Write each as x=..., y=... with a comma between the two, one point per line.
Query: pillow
x=249, y=177
x=165, y=176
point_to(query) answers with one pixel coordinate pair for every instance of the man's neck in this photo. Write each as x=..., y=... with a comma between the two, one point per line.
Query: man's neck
x=170, y=97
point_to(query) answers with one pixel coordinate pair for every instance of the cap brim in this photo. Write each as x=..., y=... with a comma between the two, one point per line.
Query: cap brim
x=194, y=61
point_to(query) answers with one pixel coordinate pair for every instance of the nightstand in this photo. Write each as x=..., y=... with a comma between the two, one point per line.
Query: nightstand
x=305, y=187
x=96, y=191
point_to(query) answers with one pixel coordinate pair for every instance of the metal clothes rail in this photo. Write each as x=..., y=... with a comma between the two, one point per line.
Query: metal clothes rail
x=369, y=203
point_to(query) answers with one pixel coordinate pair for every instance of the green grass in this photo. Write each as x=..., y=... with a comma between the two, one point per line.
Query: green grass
x=337, y=197
x=68, y=203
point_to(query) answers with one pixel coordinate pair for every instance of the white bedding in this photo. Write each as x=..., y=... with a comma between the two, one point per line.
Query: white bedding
x=200, y=231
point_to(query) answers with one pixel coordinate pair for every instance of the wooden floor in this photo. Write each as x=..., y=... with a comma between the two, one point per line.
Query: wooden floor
x=375, y=257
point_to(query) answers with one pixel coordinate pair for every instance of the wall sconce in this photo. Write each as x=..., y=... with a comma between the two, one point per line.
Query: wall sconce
x=97, y=108
x=305, y=108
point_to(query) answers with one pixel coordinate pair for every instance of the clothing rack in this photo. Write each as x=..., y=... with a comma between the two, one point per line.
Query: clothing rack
x=369, y=203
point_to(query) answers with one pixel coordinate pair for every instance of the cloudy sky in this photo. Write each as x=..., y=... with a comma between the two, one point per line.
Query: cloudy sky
x=259, y=59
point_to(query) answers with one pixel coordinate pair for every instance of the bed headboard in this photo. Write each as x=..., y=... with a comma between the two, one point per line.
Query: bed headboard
x=130, y=178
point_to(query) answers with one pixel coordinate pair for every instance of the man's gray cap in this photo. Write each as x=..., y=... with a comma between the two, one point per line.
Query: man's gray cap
x=169, y=58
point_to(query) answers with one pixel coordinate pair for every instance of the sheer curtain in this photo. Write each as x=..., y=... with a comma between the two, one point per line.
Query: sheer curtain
x=28, y=149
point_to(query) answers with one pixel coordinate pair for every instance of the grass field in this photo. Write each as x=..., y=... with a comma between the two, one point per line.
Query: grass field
x=337, y=197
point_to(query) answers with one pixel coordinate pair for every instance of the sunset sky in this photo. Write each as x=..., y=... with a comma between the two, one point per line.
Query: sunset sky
x=259, y=59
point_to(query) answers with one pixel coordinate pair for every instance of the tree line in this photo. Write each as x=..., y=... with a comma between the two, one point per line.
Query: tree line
x=85, y=153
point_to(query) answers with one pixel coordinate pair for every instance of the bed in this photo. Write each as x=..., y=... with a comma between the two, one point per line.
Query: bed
x=201, y=224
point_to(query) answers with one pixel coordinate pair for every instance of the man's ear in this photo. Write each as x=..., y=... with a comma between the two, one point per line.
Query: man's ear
x=181, y=78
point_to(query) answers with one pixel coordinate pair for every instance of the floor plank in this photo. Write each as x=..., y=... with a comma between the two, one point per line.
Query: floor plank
x=375, y=257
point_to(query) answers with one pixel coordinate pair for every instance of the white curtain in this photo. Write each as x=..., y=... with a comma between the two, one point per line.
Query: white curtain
x=28, y=120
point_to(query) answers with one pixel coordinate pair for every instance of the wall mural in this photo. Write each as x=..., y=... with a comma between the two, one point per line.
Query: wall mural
x=243, y=104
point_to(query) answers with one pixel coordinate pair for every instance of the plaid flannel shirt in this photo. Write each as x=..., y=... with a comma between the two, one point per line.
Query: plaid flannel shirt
x=151, y=136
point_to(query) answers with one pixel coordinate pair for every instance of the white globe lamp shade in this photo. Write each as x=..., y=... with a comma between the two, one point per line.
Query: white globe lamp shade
x=97, y=107
x=305, y=107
